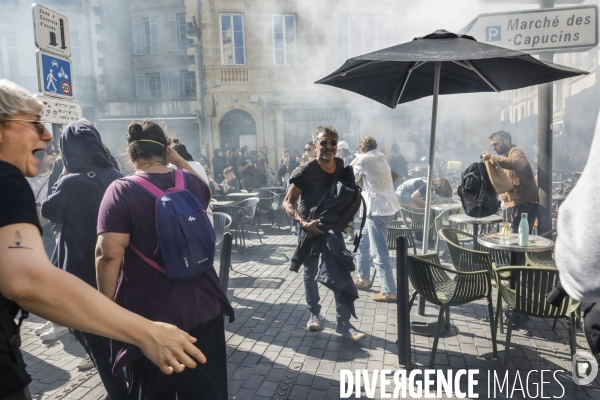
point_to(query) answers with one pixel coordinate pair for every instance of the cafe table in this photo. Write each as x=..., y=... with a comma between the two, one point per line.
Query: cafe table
x=220, y=203
x=465, y=219
x=536, y=243
x=240, y=196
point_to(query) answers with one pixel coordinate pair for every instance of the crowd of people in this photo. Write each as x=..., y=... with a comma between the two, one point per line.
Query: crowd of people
x=79, y=242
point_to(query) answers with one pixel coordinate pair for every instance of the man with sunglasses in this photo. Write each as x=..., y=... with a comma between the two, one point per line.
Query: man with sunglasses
x=308, y=185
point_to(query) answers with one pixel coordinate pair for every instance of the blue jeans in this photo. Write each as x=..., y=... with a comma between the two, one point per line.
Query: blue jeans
x=375, y=232
x=311, y=290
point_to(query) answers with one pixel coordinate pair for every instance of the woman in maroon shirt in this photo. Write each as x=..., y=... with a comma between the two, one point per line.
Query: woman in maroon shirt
x=127, y=216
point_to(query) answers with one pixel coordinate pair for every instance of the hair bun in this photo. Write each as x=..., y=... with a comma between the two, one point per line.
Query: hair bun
x=175, y=140
x=134, y=132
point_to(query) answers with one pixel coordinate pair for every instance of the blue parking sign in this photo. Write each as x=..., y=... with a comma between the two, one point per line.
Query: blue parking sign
x=55, y=76
x=493, y=33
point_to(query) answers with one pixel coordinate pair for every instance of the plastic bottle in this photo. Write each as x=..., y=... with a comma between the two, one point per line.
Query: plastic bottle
x=523, y=230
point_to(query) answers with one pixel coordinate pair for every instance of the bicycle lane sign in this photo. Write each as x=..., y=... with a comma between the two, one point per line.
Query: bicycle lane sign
x=55, y=76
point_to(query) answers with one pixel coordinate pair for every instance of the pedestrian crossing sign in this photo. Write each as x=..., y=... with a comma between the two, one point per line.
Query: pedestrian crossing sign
x=55, y=76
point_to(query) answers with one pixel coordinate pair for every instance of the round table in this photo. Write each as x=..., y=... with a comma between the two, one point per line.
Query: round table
x=444, y=207
x=464, y=218
x=536, y=243
x=273, y=188
x=240, y=196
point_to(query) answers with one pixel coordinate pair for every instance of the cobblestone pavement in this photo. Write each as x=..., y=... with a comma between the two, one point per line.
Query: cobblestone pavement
x=271, y=355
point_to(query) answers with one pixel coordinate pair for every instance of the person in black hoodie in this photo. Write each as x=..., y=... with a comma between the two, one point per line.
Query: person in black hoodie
x=219, y=163
x=75, y=203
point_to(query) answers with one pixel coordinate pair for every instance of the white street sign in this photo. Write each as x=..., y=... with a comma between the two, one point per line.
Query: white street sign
x=57, y=111
x=51, y=31
x=565, y=29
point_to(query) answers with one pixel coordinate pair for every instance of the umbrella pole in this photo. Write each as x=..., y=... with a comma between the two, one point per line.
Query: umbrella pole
x=436, y=92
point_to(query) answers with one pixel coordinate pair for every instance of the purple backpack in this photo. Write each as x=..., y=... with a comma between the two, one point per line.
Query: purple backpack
x=185, y=236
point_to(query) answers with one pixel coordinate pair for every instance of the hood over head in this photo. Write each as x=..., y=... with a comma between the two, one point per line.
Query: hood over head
x=216, y=152
x=82, y=148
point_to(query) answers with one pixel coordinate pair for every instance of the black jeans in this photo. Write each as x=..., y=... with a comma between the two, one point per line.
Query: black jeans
x=23, y=394
x=518, y=258
x=98, y=347
x=206, y=381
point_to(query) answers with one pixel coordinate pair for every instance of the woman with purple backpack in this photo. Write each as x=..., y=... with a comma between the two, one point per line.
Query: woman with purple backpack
x=131, y=270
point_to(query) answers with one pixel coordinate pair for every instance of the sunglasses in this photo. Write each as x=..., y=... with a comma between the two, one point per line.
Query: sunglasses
x=37, y=125
x=332, y=142
x=51, y=151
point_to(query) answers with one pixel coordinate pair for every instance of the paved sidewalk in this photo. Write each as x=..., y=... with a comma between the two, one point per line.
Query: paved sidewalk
x=271, y=355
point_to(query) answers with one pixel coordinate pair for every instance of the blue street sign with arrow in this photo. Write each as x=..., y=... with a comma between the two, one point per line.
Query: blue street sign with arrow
x=55, y=76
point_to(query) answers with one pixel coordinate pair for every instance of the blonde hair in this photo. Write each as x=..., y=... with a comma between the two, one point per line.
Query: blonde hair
x=367, y=144
x=443, y=187
x=16, y=100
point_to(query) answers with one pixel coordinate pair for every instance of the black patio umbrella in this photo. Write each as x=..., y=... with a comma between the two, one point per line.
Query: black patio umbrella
x=441, y=63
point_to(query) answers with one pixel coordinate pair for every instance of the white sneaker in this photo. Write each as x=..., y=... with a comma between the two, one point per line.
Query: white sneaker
x=54, y=332
x=85, y=363
x=43, y=328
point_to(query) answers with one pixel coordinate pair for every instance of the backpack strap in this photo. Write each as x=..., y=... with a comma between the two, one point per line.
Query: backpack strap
x=147, y=185
x=180, y=179
x=358, y=237
x=149, y=261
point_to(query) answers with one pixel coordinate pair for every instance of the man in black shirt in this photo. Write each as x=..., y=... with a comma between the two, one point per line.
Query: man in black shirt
x=26, y=274
x=398, y=164
x=245, y=167
x=308, y=184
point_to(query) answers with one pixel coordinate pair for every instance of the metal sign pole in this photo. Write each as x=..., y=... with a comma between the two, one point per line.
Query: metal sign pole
x=403, y=313
x=545, y=137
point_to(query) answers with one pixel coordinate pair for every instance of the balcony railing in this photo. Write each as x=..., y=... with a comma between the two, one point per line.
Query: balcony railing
x=234, y=75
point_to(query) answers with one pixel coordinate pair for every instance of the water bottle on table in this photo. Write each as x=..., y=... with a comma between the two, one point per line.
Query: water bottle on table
x=523, y=230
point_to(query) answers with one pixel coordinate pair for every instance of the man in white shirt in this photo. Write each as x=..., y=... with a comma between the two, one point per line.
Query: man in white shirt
x=378, y=190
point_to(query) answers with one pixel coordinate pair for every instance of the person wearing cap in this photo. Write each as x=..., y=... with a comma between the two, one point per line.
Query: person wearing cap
x=344, y=153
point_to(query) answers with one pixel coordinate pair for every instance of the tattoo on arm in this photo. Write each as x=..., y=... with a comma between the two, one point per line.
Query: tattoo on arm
x=18, y=245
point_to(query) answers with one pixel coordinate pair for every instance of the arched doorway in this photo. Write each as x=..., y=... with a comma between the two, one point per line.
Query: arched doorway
x=237, y=127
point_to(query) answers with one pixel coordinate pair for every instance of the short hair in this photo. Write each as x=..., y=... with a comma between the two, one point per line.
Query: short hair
x=244, y=148
x=368, y=143
x=181, y=149
x=285, y=150
x=146, y=130
x=324, y=129
x=16, y=100
x=443, y=187
x=228, y=170
x=503, y=135
x=395, y=148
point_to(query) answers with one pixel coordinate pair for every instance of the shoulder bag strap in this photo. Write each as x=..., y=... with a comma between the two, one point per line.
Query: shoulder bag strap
x=358, y=237
x=149, y=261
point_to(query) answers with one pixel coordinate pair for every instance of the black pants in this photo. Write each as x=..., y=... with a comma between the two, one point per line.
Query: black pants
x=206, y=381
x=98, y=348
x=518, y=258
x=23, y=394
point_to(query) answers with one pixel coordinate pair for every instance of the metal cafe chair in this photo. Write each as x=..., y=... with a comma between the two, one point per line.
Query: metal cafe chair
x=249, y=206
x=222, y=222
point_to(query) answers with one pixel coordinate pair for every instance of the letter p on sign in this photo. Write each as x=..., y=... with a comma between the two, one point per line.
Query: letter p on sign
x=493, y=34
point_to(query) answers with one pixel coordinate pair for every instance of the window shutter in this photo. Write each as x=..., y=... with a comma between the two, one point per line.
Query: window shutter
x=164, y=84
x=138, y=48
x=173, y=38
x=174, y=84
x=154, y=35
x=140, y=85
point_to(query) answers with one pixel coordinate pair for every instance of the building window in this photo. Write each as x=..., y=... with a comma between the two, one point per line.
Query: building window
x=145, y=35
x=284, y=39
x=188, y=83
x=154, y=85
x=233, y=42
x=178, y=39
x=516, y=117
x=8, y=55
x=359, y=35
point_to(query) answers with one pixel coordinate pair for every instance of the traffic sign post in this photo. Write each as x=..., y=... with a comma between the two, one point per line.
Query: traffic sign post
x=51, y=31
x=55, y=76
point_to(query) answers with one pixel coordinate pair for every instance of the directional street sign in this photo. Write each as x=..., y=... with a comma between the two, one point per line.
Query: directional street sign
x=51, y=31
x=55, y=76
x=564, y=29
x=57, y=111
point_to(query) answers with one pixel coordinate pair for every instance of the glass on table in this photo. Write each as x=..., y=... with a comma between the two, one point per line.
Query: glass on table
x=504, y=233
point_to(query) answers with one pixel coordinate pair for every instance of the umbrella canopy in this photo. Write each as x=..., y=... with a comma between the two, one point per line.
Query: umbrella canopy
x=405, y=72
x=441, y=63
